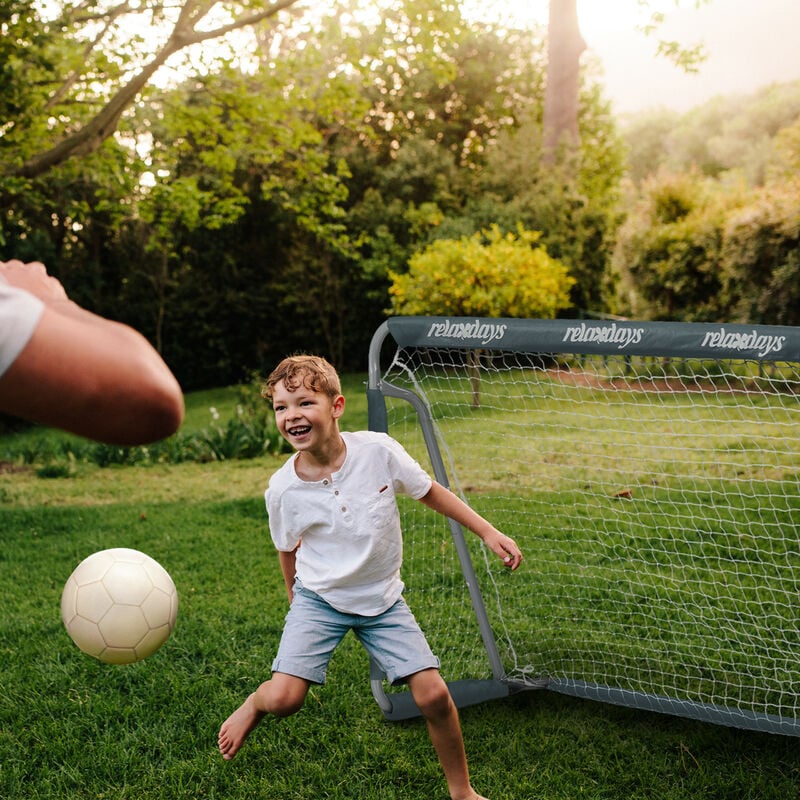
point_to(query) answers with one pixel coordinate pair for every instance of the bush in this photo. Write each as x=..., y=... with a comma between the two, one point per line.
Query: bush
x=488, y=275
x=761, y=257
x=669, y=250
x=249, y=434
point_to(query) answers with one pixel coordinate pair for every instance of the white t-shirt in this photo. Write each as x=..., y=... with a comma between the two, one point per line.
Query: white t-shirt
x=20, y=312
x=352, y=545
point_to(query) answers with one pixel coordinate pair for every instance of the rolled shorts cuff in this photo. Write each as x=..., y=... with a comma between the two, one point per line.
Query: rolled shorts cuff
x=398, y=674
x=299, y=669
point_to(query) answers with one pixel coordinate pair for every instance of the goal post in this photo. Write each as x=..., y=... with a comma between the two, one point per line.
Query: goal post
x=650, y=472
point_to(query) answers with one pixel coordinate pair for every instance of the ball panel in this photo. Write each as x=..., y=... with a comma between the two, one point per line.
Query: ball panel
x=68, y=600
x=152, y=640
x=158, y=609
x=158, y=575
x=127, y=583
x=92, y=601
x=123, y=626
x=87, y=636
x=118, y=655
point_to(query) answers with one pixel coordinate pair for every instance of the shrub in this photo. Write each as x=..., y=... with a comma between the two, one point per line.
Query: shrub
x=761, y=257
x=488, y=274
x=249, y=434
x=668, y=252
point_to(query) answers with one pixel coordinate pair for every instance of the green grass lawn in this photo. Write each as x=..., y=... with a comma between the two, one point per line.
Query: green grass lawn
x=73, y=728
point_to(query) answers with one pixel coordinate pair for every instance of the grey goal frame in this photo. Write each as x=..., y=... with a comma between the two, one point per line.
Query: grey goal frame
x=760, y=343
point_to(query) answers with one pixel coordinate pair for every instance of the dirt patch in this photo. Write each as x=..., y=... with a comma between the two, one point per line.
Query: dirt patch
x=670, y=385
x=7, y=468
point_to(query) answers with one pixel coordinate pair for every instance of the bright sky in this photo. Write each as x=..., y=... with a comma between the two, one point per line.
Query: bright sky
x=750, y=43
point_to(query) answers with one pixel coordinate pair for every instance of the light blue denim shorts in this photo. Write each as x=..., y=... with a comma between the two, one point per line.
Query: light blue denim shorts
x=313, y=629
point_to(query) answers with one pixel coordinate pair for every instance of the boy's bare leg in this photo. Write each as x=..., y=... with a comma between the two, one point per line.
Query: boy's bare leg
x=281, y=696
x=433, y=698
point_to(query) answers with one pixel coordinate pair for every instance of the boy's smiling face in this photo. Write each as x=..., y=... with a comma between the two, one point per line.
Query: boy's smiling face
x=306, y=418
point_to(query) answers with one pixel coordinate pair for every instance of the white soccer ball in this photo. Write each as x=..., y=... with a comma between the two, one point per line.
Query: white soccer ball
x=119, y=605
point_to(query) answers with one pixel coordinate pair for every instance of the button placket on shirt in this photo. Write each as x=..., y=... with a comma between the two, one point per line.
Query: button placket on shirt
x=347, y=516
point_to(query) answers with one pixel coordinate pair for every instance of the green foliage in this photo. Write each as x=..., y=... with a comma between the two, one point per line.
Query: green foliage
x=687, y=57
x=573, y=201
x=761, y=257
x=259, y=204
x=693, y=249
x=734, y=133
x=668, y=250
x=488, y=274
x=784, y=165
x=710, y=233
x=249, y=432
x=257, y=207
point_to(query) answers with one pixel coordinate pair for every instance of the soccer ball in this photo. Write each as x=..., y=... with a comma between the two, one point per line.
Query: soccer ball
x=119, y=605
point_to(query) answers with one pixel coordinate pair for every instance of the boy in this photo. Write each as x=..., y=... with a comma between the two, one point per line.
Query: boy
x=334, y=521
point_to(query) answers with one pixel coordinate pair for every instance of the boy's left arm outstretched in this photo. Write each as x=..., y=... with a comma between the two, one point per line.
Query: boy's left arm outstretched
x=445, y=502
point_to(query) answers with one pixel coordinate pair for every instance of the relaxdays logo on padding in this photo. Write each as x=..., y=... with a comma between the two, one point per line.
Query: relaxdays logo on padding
x=483, y=332
x=762, y=344
x=621, y=335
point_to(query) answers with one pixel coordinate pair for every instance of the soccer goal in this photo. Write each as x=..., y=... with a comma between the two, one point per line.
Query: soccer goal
x=650, y=473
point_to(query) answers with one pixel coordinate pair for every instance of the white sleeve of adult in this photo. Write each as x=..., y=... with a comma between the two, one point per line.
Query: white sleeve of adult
x=20, y=312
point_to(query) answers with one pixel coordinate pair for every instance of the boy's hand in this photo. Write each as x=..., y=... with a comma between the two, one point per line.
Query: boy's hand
x=445, y=502
x=506, y=548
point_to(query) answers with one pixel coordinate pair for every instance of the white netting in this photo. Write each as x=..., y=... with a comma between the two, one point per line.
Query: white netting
x=658, y=506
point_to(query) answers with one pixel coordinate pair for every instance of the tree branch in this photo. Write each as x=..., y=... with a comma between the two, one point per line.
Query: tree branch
x=91, y=136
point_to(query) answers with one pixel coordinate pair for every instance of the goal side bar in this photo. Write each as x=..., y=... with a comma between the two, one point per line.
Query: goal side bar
x=397, y=706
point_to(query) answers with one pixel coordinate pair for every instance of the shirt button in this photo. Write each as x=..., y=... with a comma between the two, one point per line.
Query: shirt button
x=344, y=508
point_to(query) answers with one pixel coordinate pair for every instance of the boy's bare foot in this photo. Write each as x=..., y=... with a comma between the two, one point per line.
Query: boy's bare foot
x=237, y=727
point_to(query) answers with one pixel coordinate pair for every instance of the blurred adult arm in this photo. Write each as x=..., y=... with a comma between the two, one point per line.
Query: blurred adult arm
x=86, y=374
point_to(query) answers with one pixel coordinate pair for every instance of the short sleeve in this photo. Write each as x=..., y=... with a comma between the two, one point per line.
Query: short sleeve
x=409, y=477
x=20, y=312
x=284, y=534
x=280, y=531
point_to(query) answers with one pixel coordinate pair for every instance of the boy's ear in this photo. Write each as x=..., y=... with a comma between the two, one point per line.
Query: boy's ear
x=338, y=406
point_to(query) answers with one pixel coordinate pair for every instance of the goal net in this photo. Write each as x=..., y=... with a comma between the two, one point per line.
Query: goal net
x=650, y=472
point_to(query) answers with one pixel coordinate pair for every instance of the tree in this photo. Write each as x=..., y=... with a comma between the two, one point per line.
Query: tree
x=433, y=130
x=565, y=46
x=761, y=257
x=77, y=70
x=669, y=250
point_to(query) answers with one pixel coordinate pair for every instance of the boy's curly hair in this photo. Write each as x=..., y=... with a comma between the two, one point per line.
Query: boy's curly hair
x=313, y=372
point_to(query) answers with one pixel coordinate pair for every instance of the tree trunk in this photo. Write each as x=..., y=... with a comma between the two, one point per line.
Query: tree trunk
x=564, y=47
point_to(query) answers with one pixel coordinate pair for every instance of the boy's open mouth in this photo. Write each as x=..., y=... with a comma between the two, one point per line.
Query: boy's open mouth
x=298, y=431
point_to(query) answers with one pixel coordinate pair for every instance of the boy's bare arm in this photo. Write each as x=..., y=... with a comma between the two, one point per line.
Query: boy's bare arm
x=445, y=502
x=288, y=568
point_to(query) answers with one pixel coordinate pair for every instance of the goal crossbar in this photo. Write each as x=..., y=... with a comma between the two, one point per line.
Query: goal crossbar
x=651, y=473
